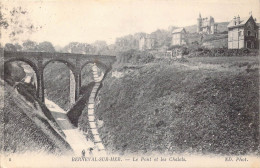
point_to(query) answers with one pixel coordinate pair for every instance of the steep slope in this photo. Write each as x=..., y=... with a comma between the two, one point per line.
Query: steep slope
x=27, y=128
x=180, y=108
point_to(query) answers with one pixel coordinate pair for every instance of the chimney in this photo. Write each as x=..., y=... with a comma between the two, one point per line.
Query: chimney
x=234, y=20
x=238, y=19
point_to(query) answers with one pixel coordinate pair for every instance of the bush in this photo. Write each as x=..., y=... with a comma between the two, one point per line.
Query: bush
x=135, y=57
x=174, y=47
x=218, y=52
x=184, y=51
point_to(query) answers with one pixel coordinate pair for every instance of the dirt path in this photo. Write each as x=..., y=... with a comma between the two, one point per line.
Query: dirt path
x=74, y=137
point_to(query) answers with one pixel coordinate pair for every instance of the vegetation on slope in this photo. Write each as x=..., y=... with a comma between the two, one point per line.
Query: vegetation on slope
x=171, y=108
x=75, y=113
x=27, y=128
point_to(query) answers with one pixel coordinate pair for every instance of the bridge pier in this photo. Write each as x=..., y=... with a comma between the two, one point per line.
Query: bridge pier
x=77, y=89
x=72, y=89
x=77, y=78
x=40, y=81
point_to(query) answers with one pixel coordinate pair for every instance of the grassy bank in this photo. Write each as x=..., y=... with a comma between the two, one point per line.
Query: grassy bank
x=181, y=107
x=26, y=126
x=75, y=113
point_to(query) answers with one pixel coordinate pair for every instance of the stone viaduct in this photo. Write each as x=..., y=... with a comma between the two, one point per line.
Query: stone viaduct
x=75, y=62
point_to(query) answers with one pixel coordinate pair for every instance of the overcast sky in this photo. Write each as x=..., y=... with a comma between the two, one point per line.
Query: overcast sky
x=65, y=21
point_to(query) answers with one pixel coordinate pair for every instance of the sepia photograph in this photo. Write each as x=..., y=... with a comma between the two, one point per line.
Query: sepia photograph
x=129, y=83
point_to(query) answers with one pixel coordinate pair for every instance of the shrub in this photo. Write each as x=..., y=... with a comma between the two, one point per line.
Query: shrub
x=218, y=52
x=135, y=57
x=174, y=47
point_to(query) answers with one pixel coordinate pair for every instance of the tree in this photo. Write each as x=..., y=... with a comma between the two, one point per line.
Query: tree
x=45, y=47
x=127, y=42
x=162, y=37
x=18, y=47
x=15, y=21
x=10, y=47
x=100, y=46
x=80, y=48
x=30, y=46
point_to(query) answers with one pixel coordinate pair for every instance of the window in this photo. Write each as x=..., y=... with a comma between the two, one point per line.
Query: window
x=248, y=33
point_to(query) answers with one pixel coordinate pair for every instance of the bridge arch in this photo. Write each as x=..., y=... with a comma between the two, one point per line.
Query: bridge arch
x=103, y=67
x=32, y=65
x=99, y=64
x=73, y=75
x=29, y=62
x=67, y=63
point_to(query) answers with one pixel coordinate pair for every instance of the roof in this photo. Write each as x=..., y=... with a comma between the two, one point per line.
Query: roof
x=242, y=22
x=147, y=36
x=178, y=30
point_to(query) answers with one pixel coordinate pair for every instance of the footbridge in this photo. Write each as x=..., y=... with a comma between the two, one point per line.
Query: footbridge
x=75, y=62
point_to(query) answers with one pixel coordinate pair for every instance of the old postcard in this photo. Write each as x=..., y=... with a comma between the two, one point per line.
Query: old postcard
x=129, y=83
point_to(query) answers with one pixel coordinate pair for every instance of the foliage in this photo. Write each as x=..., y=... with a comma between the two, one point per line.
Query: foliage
x=45, y=47
x=16, y=21
x=13, y=72
x=162, y=38
x=212, y=37
x=174, y=47
x=127, y=42
x=98, y=47
x=184, y=50
x=26, y=127
x=77, y=114
x=30, y=46
x=10, y=47
x=135, y=57
x=174, y=109
x=217, y=52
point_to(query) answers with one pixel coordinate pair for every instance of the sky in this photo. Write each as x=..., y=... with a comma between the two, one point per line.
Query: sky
x=65, y=21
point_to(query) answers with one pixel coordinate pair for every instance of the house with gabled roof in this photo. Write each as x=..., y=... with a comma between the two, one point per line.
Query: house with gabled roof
x=146, y=42
x=243, y=33
x=179, y=36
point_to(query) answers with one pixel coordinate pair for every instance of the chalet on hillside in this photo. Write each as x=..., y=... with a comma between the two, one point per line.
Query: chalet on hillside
x=146, y=42
x=243, y=33
x=179, y=36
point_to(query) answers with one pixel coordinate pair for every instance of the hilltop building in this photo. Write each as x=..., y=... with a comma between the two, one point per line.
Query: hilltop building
x=146, y=42
x=243, y=33
x=206, y=25
x=179, y=36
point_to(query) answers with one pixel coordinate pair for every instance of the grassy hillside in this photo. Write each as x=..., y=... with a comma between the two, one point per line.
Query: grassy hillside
x=26, y=126
x=75, y=113
x=182, y=107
